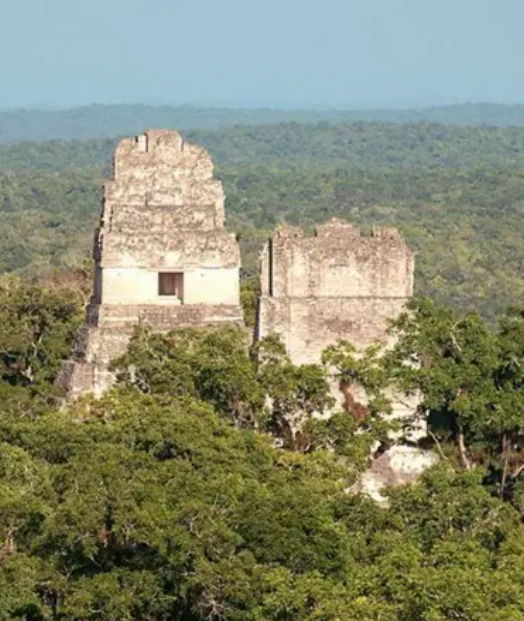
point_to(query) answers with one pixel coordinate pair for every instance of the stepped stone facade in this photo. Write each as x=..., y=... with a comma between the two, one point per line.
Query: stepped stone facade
x=333, y=285
x=162, y=255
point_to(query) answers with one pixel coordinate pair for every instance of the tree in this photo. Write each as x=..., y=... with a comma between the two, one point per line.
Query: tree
x=470, y=380
x=296, y=393
x=212, y=365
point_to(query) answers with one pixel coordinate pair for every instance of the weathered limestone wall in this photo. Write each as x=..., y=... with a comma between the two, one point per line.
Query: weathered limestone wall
x=308, y=326
x=204, y=285
x=339, y=285
x=338, y=262
x=163, y=212
x=334, y=285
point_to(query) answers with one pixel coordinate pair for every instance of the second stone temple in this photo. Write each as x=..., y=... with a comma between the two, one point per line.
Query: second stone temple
x=162, y=255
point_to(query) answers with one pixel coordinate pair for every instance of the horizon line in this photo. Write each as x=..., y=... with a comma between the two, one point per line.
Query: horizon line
x=259, y=106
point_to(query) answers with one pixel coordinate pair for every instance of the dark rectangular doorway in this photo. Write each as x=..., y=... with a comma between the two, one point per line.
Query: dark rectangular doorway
x=171, y=284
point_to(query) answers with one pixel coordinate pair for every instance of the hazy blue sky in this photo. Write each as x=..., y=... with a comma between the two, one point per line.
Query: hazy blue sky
x=279, y=52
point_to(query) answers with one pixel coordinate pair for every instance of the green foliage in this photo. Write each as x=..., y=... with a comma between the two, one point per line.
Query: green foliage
x=182, y=495
x=212, y=365
x=145, y=509
x=264, y=390
x=365, y=374
x=249, y=294
x=470, y=380
x=366, y=145
x=134, y=508
x=47, y=219
x=296, y=394
x=37, y=328
x=169, y=499
x=342, y=144
x=215, y=367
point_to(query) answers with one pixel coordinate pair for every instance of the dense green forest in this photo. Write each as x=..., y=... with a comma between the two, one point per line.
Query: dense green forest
x=179, y=496
x=99, y=121
x=455, y=193
x=363, y=145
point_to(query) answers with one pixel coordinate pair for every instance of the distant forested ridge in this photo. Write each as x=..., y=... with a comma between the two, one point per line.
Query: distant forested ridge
x=455, y=193
x=99, y=121
x=360, y=145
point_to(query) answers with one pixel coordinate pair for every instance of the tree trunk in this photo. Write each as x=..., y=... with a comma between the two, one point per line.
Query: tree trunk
x=505, y=461
x=466, y=462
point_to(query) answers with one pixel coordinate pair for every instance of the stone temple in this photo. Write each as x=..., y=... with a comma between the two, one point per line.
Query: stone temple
x=333, y=285
x=338, y=284
x=162, y=255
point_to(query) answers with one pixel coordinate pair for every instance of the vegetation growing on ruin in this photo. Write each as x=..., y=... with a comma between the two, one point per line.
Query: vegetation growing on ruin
x=179, y=496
